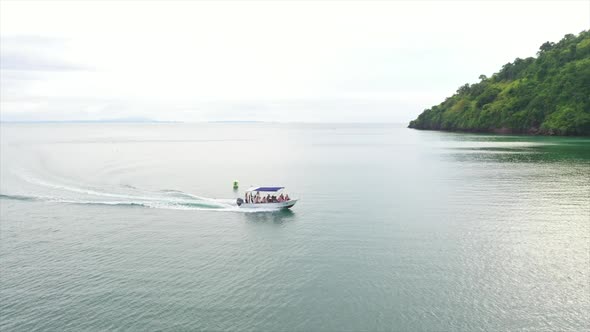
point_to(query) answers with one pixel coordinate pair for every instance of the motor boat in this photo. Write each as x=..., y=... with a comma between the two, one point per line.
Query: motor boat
x=256, y=194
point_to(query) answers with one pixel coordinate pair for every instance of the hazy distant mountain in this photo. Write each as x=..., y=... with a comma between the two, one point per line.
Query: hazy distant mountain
x=114, y=120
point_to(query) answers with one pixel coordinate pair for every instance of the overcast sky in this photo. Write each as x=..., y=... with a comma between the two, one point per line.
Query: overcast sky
x=266, y=61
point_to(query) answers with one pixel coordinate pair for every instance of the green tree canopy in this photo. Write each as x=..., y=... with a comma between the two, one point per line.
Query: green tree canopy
x=547, y=95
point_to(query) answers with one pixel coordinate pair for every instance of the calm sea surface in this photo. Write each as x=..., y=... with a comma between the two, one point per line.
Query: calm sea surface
x=133, y=227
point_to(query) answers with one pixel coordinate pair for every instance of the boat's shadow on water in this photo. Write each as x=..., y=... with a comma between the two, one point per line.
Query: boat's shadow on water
x=276, y=217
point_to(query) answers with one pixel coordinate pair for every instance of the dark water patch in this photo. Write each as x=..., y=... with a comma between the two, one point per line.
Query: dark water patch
x=277, y=217
x=19, y=197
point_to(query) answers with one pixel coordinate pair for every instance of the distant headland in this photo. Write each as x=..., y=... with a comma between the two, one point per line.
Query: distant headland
x=115, y=120
x=546, y=95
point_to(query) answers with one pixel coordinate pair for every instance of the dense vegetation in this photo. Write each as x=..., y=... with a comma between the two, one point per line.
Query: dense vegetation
x=547, y=95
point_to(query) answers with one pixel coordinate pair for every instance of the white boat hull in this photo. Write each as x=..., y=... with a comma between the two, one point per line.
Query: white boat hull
x=274, y=206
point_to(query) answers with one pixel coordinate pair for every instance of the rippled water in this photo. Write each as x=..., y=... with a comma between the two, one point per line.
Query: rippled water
x=133, y=227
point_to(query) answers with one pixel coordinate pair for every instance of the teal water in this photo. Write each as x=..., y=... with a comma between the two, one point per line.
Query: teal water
x=133, y=227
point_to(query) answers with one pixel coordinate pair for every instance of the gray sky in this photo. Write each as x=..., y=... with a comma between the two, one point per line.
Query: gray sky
x=267, y=61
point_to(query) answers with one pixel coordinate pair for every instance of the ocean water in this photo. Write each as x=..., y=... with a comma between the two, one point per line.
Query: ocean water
x=134, y=227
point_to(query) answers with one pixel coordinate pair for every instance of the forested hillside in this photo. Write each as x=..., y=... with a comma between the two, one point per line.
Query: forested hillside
x=548, y=95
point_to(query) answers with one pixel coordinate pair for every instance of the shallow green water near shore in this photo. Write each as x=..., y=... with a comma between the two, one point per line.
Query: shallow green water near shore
x=133, y=227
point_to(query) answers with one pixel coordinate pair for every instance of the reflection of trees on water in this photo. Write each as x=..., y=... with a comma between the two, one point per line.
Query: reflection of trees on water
x=569, y=152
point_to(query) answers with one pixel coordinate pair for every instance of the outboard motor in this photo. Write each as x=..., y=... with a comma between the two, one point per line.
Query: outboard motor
x=239, y=201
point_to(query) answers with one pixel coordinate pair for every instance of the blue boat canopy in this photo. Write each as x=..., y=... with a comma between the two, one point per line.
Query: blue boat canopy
x=271, y=189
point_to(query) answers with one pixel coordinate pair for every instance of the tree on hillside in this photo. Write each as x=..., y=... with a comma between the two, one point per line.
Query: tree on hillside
x=549, y=94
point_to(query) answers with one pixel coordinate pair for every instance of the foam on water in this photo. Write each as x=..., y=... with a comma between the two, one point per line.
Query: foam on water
x=162, y=199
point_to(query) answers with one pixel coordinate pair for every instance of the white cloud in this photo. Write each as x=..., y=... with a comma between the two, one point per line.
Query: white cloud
x=338, y=61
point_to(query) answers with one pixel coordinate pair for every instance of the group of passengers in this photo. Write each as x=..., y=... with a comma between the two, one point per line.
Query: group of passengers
x=256, y=199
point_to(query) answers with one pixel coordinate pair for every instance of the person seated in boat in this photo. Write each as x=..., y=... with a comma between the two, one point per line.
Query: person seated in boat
x=268, y=198
x=274, y=199
x=287, y=198
x=281, y=198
